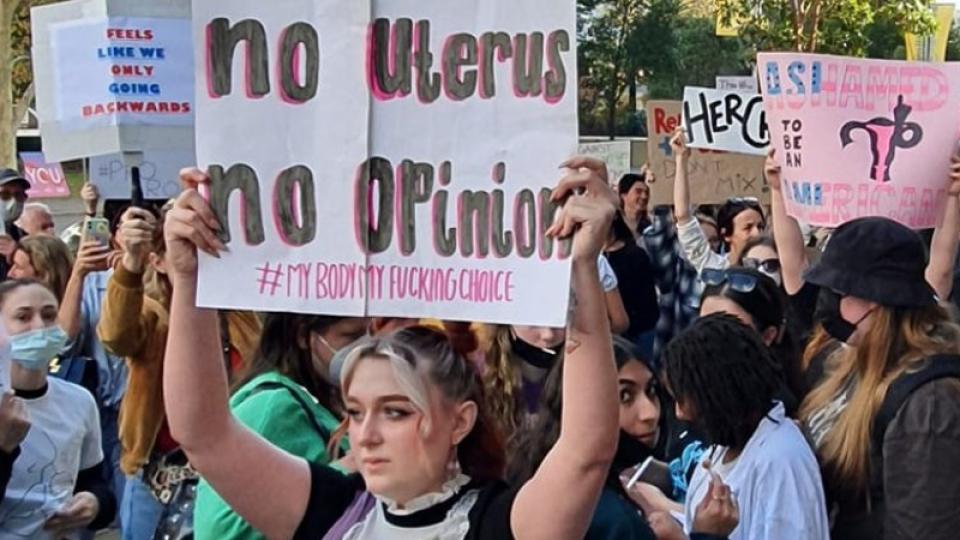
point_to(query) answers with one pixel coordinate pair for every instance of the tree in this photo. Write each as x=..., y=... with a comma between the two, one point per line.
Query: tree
x=826, y=26
x=605, y=30
x=697, y=57
x=16, y=78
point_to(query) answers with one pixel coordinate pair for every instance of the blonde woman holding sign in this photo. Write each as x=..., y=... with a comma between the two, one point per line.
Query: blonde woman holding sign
x=426, y=450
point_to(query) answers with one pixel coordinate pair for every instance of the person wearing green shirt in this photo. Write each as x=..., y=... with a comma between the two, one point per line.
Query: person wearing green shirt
x=287, y=397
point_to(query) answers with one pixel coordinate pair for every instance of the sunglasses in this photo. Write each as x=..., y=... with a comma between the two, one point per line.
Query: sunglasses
x=767, y=266
x=742, y=283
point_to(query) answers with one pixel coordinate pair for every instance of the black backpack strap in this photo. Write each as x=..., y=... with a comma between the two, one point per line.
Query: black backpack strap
x=937, y=367
x=274, y=385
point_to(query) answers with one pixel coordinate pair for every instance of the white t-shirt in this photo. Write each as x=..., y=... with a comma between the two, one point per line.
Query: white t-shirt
x=64, y=439
x=776, y=481
x=608, y=279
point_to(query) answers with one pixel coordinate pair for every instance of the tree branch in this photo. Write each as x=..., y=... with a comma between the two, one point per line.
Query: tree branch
x=812, y=40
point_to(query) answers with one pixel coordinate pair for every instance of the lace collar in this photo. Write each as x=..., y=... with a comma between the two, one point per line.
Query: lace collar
x=426, y=509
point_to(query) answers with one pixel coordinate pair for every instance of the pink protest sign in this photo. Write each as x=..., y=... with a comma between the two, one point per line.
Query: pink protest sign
x=47, y=180
x=861, y=137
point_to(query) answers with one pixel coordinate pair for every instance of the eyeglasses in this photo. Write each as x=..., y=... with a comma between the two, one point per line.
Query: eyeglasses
x=743, y=283
x=767, y=266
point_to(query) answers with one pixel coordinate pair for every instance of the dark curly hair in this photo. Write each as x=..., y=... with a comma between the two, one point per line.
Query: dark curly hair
x=721, y=370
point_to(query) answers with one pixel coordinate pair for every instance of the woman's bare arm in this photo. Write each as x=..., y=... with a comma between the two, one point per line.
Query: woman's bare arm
x=266, y=486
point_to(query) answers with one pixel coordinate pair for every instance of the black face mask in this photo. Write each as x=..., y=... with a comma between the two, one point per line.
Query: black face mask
x=630, y=452
x=535, y=356
x=828, y=314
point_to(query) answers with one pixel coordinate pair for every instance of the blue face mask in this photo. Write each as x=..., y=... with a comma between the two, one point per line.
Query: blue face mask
x=34, y=350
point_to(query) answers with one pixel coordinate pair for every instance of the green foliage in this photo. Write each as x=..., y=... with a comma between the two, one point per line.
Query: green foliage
x=697, y=59
x=848, y=27
x=626, y=44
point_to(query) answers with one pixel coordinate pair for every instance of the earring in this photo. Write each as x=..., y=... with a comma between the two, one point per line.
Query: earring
x=453, y=465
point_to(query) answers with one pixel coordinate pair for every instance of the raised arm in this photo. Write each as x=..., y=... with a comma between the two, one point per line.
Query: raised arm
x=681, y=184
x=786, y=231
x=946, y=238
x=619, y=319
x=230, y=457
x=123, y=328
x=91, y=257
x=574, y=471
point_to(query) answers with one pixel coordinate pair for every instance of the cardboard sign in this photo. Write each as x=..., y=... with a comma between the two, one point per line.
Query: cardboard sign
x=736, y=83
x=714, y=176
x=47, y=180
x=159, y=174
x=724, y=120
x=113, y=77
x=401, y=168
x=862, y=137
x=616, y=154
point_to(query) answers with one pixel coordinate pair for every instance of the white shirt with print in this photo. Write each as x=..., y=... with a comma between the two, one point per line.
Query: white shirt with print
x=64, y=439
x=776, y=481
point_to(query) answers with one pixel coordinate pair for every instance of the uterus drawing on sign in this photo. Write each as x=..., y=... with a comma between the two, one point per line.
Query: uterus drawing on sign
x=886, y=136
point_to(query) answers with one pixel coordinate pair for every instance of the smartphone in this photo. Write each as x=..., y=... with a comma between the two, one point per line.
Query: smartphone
x=96, y=229
x=136, y=189
x=651, y=471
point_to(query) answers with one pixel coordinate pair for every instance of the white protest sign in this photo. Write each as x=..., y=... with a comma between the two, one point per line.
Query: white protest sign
x=736, y=83
x=724, y=120
x=616, y=154
x=159, y=174
x=401, y=169
x=123, y=70
x=113, y=76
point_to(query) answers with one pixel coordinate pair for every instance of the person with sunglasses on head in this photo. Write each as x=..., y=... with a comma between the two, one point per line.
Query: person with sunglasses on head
x=754, y=298
x=885, y=418
x=287, y=396
x=758, y=303
x=739, y=219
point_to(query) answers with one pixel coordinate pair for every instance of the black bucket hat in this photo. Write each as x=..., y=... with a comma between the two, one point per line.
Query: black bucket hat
x=878, y=260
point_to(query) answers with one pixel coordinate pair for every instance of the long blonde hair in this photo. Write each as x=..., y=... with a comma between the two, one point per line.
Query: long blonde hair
x=898, y=340
x=501, y=381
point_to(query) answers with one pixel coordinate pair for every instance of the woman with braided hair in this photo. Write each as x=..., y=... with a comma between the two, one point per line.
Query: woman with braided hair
x=724, y=379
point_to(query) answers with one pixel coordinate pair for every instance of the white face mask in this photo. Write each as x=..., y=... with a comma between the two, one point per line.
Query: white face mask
x=775, y=276
x=13, y=209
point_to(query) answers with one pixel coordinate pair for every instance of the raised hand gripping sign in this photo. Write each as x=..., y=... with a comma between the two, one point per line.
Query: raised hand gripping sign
x=861, y=137
x=398, y=165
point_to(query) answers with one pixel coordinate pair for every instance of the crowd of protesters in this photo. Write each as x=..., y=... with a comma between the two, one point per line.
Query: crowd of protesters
x=722, y=376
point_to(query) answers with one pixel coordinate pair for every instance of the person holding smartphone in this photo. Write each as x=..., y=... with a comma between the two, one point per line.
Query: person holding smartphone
x=641, y=444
